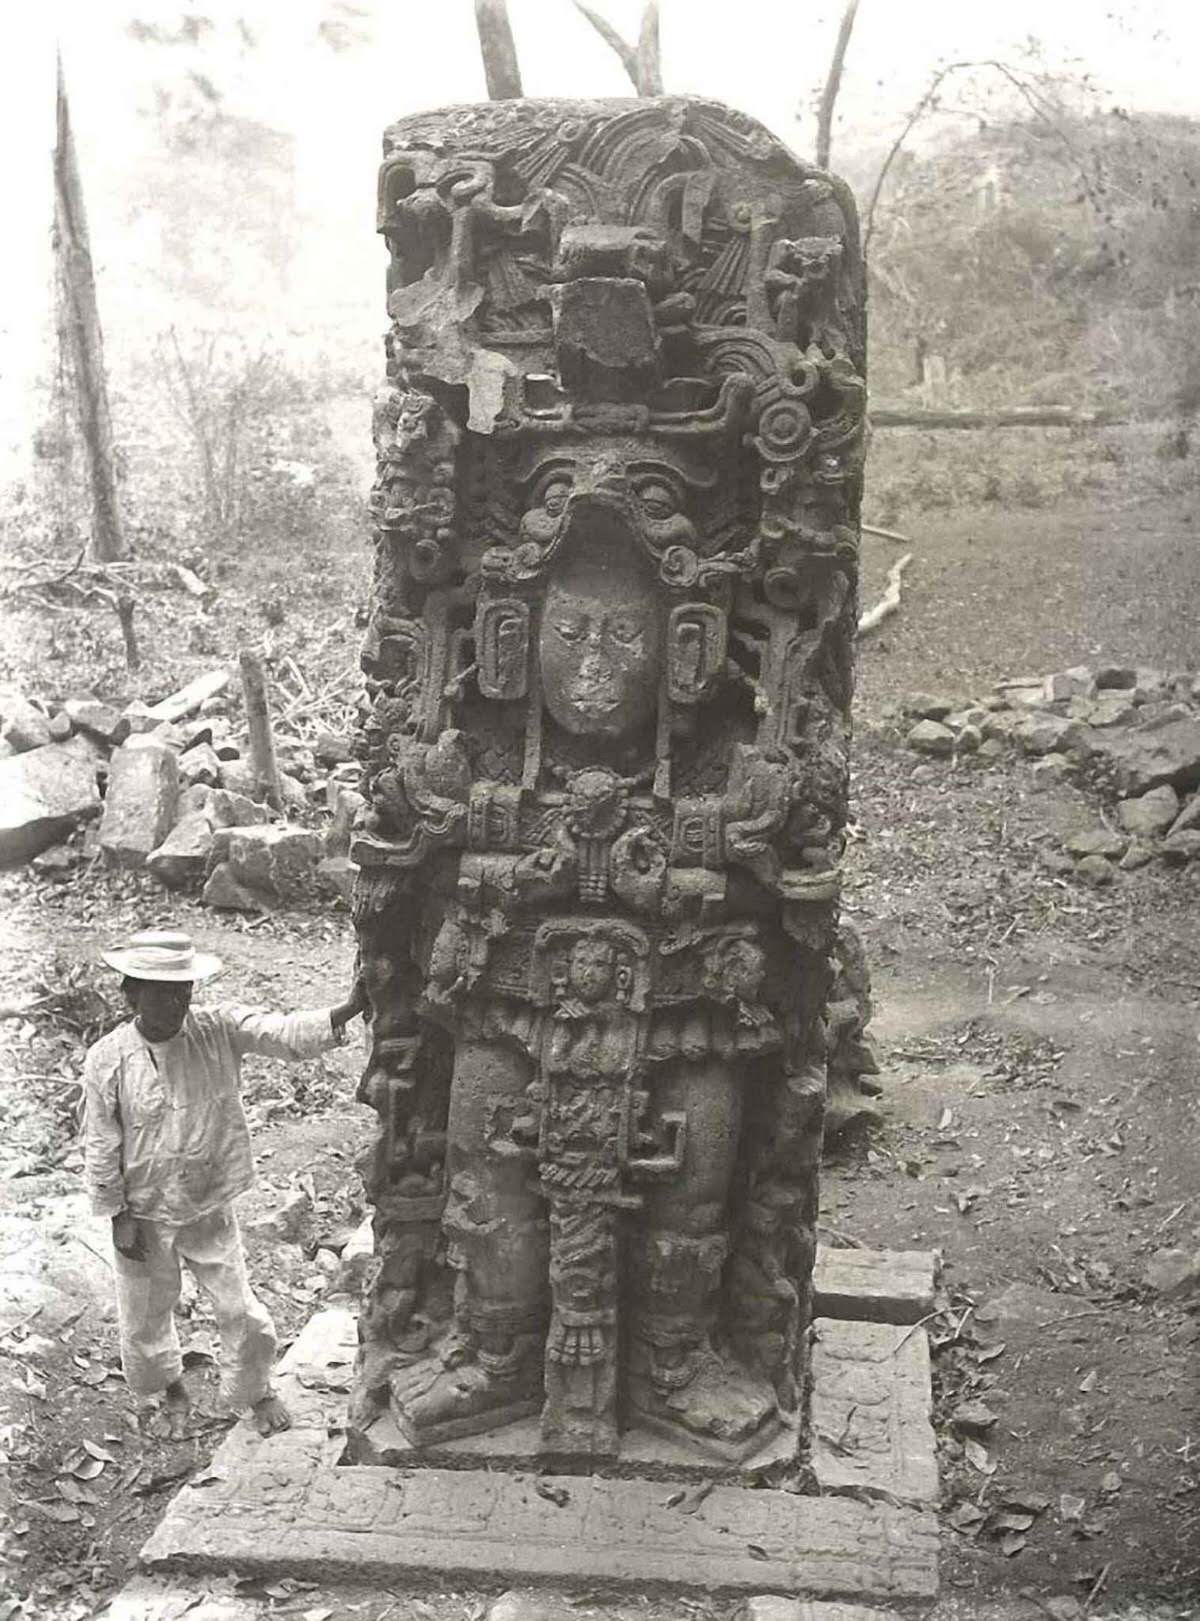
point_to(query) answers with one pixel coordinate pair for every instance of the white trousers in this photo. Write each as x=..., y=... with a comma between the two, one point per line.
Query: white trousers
x=148, y=1292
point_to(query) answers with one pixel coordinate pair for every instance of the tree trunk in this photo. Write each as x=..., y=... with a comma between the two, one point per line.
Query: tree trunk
x=1017, y=416
x=258, y=723
x=833, y=83
x=500, y=65
x=79, y=331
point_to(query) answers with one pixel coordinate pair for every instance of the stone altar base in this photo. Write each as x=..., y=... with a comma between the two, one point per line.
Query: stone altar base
x=288, y=1504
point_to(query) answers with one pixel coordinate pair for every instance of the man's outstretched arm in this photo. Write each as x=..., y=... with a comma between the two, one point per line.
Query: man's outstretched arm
x=290, y=1035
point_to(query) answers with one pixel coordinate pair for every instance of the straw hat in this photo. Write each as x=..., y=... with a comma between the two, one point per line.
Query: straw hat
x=165, y=954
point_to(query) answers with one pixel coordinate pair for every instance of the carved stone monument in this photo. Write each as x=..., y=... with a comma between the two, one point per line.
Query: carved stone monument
x=610, y=668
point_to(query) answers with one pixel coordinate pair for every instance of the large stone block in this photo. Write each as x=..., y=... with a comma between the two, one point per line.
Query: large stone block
x=141, y=802
x=1150, y=814
x=182, y=858
x=98, y=719
x=882, y=1286
x=1142, y=760
x=24, y=726
x=279, y=860
x=43, y=794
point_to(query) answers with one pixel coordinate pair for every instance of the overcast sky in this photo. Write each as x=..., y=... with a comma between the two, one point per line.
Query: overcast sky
x=767, y=57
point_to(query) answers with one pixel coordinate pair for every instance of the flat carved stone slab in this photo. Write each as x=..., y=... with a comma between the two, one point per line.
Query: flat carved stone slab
x=282, y=1504
x=871, y=1431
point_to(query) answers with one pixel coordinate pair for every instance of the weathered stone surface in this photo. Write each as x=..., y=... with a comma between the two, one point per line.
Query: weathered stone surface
x=140, y=805
x=1173, y=1273
x=973, y=1418
x=1141, y=760
x=1150, y=814
x=332, y=749
x=975, y=715
x=773, y=1607
x=931, y=737
x=335, y=875
x=374, y=1525
x=224, y=890
x=238, y=778
x=44, y=792
x=524, y=1605
x=200, y=765
x=345, y=803
x=1119, y=677
x=517, y=872
x=25, y=727
x=1097, y=871
x=1177, y=849
x=1075, y=683
x=1109, y=712
x=1023, y=694
x=1137, y=856
x=1050, y=770
x=182, y=858
x=871, y=1403
x=280, y=1505
x=99, y=719
x=58, y=862
x=923, y=706
x=1189, y=816
x=1041, y=734
x=278, y=860
x=225, y=808
x=1157, y=714
x=1097, y=841
x=999, y=725
x=884, y=1286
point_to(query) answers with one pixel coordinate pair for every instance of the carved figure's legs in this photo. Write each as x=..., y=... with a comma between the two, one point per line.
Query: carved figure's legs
x=491, y=1370
x=678, y=1378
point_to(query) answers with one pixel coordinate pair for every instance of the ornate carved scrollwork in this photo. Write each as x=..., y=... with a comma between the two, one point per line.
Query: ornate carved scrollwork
x=605, y=754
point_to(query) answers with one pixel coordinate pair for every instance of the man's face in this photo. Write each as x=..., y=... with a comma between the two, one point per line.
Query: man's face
x=161, y=1007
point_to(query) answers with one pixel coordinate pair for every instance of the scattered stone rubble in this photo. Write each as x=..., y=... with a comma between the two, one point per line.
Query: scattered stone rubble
x=1134, y=733
x=166, y=788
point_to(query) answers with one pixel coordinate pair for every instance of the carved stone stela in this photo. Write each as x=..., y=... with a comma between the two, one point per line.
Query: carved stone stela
x=610, y=668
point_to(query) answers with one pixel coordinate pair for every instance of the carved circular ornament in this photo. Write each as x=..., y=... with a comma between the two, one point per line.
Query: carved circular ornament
x=679, y=566
x=784, y=430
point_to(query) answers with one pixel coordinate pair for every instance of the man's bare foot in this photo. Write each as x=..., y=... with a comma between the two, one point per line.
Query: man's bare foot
x=270, y=1415
x=177, y=1408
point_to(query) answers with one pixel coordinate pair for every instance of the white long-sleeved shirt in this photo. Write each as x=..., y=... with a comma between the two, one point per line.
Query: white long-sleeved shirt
x=165, y=1136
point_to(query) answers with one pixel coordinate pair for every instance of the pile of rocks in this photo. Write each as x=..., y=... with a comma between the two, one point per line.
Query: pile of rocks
x=167, y=788
x=1134, y=732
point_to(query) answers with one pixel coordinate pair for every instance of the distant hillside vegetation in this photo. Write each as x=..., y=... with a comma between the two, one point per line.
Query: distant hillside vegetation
x=1044, y=266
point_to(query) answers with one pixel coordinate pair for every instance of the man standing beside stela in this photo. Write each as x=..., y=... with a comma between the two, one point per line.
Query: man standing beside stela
x=167, y=1150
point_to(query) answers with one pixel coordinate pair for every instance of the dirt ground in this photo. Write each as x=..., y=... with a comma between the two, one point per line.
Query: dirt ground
x=1040, y=1045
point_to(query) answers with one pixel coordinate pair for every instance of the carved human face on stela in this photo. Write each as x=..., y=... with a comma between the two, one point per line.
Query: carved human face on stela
x=600, y=643
x=592, y=969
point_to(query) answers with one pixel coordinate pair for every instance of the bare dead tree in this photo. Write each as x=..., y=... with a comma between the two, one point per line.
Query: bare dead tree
x=642, y=62
x=833, y=83
x=1038, y=103
x=263, y=763
x=500, y=65
x=79, y=335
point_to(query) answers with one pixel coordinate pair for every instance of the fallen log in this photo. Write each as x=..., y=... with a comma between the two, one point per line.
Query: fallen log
x=188, y=699
x=885, y=534
x=889, y=602
x=1018, y=416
